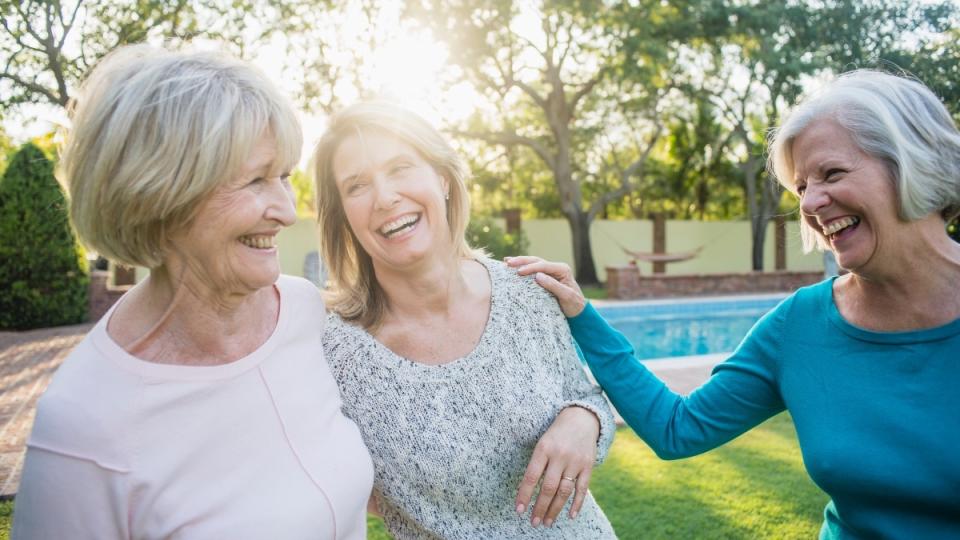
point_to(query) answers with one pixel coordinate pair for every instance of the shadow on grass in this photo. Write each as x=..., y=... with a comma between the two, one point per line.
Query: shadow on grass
x=754, y=487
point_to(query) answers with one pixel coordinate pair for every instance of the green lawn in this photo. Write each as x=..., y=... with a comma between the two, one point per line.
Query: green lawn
x=754, y=487
x=598, y=292
x=6, y=517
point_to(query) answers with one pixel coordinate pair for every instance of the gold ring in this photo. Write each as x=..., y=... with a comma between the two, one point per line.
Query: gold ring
x=574, y=480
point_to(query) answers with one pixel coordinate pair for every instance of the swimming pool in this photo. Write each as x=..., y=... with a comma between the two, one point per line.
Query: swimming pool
x=663, y=329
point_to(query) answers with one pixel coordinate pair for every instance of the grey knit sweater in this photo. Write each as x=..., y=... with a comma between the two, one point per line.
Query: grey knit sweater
x=450, y=443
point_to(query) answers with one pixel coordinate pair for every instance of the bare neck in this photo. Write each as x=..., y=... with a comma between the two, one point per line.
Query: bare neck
x=916, y=290
x=171, y=320
x=426, y=291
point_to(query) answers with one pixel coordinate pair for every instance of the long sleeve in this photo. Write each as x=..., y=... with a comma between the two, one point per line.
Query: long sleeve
x=580, y=392
x=67, y=497
x=741, y=393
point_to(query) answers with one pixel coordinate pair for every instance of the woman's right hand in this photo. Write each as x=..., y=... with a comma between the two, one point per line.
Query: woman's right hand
x=557, y=278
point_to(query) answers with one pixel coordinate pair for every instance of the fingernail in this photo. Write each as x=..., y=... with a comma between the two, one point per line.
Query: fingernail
x=520, y=508
x=536, y=522
x=548, y=523
x=573, y=515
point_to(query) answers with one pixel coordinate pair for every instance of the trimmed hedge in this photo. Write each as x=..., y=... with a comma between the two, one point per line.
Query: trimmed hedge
x=43, y=271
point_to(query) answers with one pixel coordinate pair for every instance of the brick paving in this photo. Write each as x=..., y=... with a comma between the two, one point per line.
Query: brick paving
x=28, y=359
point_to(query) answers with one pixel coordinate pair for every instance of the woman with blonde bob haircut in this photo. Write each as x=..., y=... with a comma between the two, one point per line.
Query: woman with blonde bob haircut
x=428, y=340
x=866, y=363
x=204, y=386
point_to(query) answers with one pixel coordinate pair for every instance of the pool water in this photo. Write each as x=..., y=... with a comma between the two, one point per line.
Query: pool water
x=664, y=329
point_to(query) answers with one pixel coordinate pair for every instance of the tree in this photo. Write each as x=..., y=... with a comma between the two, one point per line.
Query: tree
x=43, y=272
x=759, y=55
x=49, y=44
x=581, y=93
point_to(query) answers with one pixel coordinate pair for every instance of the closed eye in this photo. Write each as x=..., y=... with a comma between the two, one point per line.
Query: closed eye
x=400, y=168
x=353, y=187
x=833, y=175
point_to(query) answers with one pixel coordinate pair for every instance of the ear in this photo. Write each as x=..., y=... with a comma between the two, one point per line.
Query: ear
x=444, y=185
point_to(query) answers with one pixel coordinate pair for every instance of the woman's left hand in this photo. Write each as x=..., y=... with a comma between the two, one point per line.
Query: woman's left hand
x=563, y=459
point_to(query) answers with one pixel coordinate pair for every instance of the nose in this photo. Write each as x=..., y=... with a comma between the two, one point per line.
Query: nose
x=281, y=203
x=814, y=198
x=386, y=196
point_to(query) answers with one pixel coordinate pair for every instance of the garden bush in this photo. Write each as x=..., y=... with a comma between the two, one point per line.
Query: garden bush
x=43, y=272
x=484, y=233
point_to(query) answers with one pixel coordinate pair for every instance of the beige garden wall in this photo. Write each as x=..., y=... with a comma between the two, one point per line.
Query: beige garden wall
x=726, y=245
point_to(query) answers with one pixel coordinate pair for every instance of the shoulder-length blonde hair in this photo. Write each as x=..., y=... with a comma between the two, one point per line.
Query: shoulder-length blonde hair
x=354, y=293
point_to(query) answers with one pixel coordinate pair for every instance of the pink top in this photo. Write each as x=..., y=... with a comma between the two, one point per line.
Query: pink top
x=257, y=448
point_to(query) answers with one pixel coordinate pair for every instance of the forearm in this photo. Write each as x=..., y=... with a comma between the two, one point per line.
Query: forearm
x=672, y=425
x=603, y=414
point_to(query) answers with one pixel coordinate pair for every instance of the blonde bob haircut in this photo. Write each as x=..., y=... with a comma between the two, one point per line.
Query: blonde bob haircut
x=354, y=293
x=153, y=134
x=891, y=118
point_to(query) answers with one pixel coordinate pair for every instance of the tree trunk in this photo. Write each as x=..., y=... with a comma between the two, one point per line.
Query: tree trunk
x=755, y=211
x=585, y=270
x=758, y=230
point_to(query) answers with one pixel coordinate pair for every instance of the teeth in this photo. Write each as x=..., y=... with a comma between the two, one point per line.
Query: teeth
x=839, y=225
x=398, y=224
x=259, y=242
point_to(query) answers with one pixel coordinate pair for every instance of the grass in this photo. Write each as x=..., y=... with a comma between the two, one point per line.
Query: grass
x=6, y=519
x=754, y=487
x=597, y=292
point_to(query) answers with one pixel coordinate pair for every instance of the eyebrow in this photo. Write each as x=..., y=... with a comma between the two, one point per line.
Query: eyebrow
x=402, y=156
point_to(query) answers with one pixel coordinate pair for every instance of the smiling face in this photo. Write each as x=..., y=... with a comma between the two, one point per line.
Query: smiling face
x=846, y=196
x=393, y=200
x=230, y=247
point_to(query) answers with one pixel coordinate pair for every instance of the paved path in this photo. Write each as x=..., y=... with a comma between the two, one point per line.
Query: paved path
x=28, y=359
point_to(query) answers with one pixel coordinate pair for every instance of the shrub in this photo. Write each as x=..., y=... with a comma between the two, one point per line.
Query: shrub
x=483, y=232
x=43, y=272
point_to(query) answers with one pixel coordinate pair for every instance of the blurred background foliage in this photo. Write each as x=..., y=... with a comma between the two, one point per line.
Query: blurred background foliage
x=571, y=109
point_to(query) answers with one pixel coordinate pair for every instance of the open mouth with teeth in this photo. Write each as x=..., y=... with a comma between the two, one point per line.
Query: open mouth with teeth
x=399, y=226
x=258, y=242
x=841, y=226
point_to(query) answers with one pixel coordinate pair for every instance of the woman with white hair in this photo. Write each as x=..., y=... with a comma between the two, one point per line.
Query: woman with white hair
x=868, y=363
x=462, y=376
x=200, y=405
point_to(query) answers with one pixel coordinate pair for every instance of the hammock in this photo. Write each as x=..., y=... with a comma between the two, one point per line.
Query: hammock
x=662, y=257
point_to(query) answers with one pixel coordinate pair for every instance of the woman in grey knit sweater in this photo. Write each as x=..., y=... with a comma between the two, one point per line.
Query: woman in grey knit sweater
x=461, y=375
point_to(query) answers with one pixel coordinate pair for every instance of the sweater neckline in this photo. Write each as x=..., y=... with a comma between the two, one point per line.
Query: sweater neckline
x=923, y=335
x=474, y=358
x=179, y=372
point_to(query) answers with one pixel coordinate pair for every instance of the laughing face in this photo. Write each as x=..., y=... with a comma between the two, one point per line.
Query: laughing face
x=231, y=245
x=846, y=196
x=393, y=200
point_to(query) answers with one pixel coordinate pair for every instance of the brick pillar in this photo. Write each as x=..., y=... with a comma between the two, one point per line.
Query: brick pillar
x=512, y=216
x=659, y=240
x=122, y=275
x=623, y=281
x=780, y=241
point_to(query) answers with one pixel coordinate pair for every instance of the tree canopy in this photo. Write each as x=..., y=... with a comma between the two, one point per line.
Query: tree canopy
x=580, y=109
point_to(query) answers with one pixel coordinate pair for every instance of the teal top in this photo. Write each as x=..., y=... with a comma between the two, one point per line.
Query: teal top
x=877, y=413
